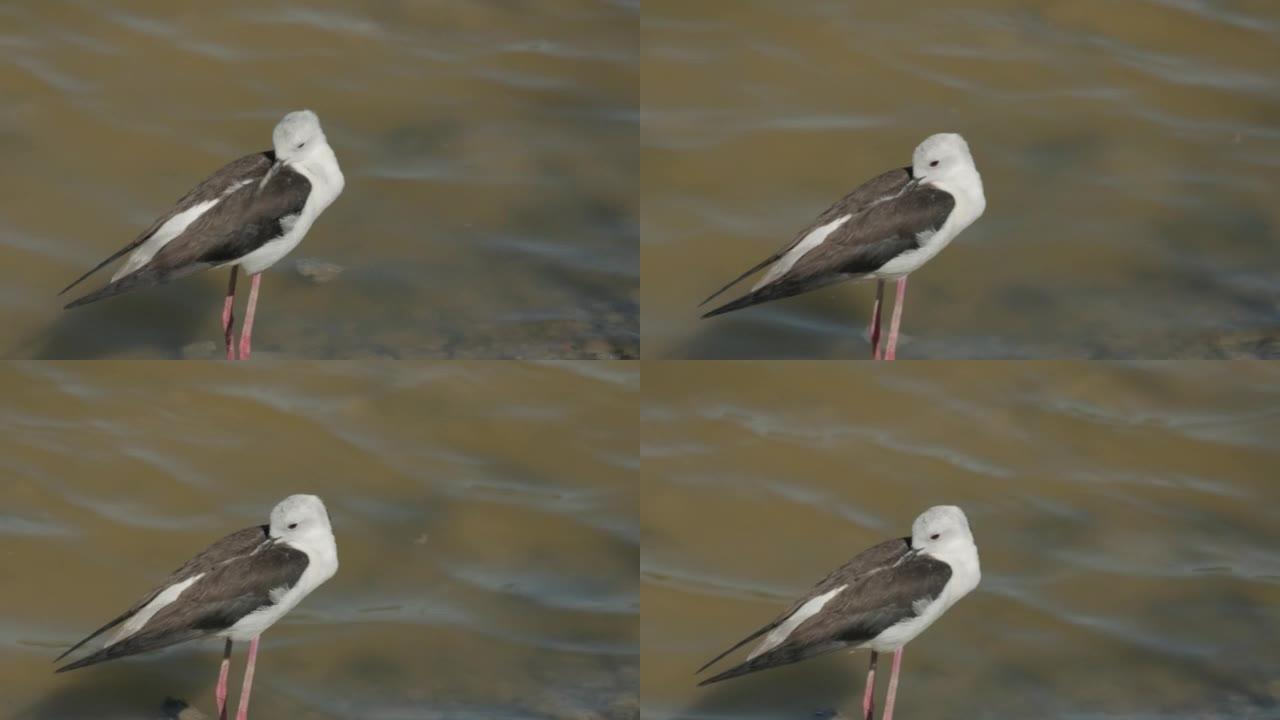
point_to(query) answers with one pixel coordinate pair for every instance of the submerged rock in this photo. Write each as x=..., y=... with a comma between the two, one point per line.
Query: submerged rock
x=1249, y=345
x=201, y=350
x=175, y=709
x=317, y=271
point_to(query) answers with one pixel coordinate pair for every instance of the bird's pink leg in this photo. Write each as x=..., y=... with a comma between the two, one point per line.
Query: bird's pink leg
x=243, y=713
x=869, y=695
x=246, y=328
x=221, y=691
x=891, y=345
x=874, y=332
x=892, y=692
x=228, y=314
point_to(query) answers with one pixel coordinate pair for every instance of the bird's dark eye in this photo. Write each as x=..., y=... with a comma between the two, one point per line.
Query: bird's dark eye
x=294, y=526
x=932, y=164
x=934, y=536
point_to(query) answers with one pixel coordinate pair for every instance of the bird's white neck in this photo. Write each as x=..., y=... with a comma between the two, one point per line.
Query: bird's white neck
x=318, y=544
x=320, y=166
x=962, y=555
x=965, y=185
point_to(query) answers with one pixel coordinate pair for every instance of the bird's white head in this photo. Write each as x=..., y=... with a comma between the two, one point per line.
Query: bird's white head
x=301, y=520
x=298, y=135
x=941, y=157
x=941, y=531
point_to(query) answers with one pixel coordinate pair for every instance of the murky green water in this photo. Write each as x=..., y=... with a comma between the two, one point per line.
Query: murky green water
x=1129, y=152
x=1125, y=517
x=500, y=524
x=484, y=515
x=489, y=150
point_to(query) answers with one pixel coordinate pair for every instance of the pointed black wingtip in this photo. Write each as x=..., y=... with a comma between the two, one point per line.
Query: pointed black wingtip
x=86, y=661
x=730, y=673
x=88, y=298
x=744, y=301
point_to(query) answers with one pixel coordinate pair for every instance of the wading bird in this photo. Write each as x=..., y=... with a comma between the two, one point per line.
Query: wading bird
x=249, y=215
x=236, y=589
x=880, y=600
x=884, y=230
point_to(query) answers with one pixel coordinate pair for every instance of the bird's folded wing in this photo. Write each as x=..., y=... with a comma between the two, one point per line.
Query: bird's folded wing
x=234, y=545
x=242, y=222
x=883, y=185
x=871, y=601
x=214, y=186
x=861, y=245
x=221, y=597
x=876, y=556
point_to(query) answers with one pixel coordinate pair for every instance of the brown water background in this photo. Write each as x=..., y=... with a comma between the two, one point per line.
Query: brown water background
x=489, y=149
x=485, y=515
x=1130, y=153
x=1126, y=519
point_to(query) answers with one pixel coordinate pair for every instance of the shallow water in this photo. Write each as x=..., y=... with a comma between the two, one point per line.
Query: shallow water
x=489, y=150
x=484, y=514
x=1129, y=153
x=1125, y=517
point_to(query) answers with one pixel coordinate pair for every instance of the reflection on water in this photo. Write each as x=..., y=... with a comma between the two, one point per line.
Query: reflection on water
x=1129, y=154
x=489, y=150
x=1126, y=519
x=485, y=518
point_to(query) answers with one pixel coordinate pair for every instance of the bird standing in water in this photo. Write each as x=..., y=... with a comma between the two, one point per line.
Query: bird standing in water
x=880, y=600
x=884, y=230
x=235, y=589
x=249, y=215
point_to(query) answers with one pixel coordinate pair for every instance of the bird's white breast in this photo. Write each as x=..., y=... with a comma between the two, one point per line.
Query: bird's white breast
x=969, y=206
x=965, y=575
x=322, y=171
x=322, y=564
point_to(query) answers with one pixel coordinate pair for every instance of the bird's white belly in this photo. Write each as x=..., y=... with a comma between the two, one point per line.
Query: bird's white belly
x=965, y=575
x=273, y=250
x=255, y=623
x=965, y=212
x=904, y=632
x=908, y=262
x=319, y=569
x=326, y=185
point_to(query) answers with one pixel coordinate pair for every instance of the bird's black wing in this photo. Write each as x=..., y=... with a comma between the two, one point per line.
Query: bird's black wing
x=868, y=606
x=867, y=561
x=883, y=185
x=232, y=546
x=248, y=167
x=242, y=222
x=863, y=244
x=215, y=602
